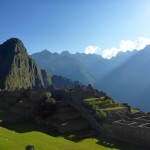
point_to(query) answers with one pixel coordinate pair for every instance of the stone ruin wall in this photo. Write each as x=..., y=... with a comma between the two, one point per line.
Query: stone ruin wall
x=135, y=132
x=22, y=102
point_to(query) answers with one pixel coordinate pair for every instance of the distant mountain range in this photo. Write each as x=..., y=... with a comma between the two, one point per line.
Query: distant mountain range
x=130, y=80
x=64, y=64
x=125, y=77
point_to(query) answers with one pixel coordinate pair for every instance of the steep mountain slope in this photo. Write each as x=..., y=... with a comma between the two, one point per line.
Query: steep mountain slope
x=18, y=69
x=46, y=78
x=130, y=81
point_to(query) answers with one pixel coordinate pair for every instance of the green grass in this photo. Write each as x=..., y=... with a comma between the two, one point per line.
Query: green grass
x=134, y=110
x=114, y=108
x=97, y=103
x=101, y=100
x=99, y=106
x=14, y=140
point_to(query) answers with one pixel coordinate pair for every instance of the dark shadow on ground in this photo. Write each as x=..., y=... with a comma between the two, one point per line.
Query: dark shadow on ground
x=107, y=142
x=5, y=115
x=29, y=127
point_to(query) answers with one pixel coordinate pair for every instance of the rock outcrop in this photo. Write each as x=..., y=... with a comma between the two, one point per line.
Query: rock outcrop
x=17, y=69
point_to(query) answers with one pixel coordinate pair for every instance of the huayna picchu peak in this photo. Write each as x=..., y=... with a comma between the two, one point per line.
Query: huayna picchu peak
x=18, y=69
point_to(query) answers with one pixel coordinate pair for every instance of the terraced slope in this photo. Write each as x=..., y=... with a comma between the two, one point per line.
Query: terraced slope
x=68, y=120
x=17, y=136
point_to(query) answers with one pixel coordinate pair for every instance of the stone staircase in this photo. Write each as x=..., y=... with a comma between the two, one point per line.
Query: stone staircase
x=68, y=120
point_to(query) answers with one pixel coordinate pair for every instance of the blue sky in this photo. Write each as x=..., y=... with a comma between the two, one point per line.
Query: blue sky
x=76, y=25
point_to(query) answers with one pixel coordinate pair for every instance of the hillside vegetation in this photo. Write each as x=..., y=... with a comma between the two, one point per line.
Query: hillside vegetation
x=18, y=69
x=98, y=107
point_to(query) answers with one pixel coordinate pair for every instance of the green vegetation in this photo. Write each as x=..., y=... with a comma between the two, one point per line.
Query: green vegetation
x=47, y=99
x=114, y=108
x=98, y=105
x=19, y=136
x=18, y=69
x=101, y=116
x=135, y=110
x=47, y=106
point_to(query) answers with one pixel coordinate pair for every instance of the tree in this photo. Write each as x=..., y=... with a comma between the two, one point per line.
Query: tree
x=47, y=106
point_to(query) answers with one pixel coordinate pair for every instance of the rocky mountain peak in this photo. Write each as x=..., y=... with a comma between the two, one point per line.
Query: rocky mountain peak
x=18, y=69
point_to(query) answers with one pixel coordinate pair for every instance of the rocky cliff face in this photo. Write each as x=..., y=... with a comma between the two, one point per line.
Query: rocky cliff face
x=46, y=78
x=17, y=69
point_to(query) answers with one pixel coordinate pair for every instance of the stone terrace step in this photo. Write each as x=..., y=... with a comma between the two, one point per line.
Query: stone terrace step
x=81, y=135
x=62, y=104
x=67, y=115
x=71, y=125
x=67, y=119
x=65, y=109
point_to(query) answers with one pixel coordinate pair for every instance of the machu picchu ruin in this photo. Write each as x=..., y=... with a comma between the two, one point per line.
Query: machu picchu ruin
x=73, y=115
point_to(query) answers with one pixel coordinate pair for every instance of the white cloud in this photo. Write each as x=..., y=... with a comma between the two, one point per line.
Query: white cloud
x=109, y=53
x=91, y=49
x=126, y=45
x=142, y=42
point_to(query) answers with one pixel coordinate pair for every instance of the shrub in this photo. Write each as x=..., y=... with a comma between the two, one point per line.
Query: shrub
x=47, y=99
x=50, y=101
x=101, y=116
x=46, y=95
x=47, y=106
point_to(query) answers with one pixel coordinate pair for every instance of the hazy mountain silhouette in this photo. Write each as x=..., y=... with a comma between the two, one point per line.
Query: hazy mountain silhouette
x=130, y=81
x=64, y=64
x=86, y=68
